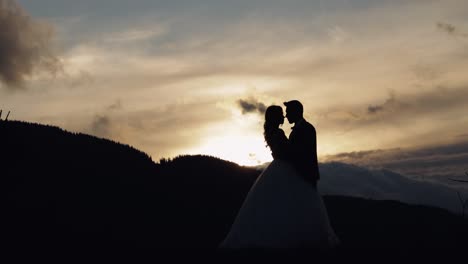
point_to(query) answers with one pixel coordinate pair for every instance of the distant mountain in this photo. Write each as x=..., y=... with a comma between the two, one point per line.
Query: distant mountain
x=381, y=184
x=63, y=189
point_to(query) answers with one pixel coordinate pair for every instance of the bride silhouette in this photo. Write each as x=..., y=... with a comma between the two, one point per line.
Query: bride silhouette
x=283, y=209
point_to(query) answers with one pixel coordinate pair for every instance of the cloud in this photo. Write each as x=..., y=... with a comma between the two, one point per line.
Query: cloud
x=101, y=126
x=401, y=108
x=251, y=106
x=104, y=124
x=436, y=163
x=343, y=73
x=425, y=72
x=440, y=98
x=374, y=109
x=389, y=104
x=25, y=45
x=446, y=27
x=82, y=78
x=135, y=35
x=164, y=131
x=451, y=29
x=337, y=34
x=116, y=106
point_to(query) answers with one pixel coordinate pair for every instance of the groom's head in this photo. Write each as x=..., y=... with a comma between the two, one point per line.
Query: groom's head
x=294, y=111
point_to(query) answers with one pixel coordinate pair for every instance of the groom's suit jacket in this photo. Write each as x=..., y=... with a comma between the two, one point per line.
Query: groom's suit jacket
x=303, y=142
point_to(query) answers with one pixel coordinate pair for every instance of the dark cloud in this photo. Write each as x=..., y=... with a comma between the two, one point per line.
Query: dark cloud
x=374, y=109
x=389, y=104
x=251, y=106
x=450, y=29
x=25, y=45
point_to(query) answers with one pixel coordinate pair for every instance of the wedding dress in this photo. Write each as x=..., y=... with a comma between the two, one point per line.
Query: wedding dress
x=281, y=210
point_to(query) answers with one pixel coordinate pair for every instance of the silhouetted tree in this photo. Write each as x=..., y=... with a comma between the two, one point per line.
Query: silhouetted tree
x=463, y=201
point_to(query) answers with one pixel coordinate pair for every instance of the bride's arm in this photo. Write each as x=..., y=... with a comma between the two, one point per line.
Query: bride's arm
x=280, y=147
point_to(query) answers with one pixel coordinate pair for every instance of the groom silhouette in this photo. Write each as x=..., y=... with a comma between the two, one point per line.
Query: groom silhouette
x=303, y=141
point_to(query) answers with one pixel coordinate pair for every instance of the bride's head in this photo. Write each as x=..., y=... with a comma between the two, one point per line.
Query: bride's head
x=273, y=119
x=274, y=116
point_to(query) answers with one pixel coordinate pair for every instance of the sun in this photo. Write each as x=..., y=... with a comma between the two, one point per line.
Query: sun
x=244, y=150
x=238, y=139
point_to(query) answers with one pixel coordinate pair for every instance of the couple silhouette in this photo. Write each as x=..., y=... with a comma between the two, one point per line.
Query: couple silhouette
x=283, y=208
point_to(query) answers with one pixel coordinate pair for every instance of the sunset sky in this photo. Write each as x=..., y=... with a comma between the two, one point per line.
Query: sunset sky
x=191, y=77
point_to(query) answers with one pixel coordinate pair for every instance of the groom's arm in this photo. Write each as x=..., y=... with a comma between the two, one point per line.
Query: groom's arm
x=304, y=154
x=312, y=156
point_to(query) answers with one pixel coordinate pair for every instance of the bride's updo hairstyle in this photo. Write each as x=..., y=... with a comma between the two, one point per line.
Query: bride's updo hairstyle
x=273, y=118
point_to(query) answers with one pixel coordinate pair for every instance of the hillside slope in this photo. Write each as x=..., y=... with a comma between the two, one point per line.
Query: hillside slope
x=62, y=189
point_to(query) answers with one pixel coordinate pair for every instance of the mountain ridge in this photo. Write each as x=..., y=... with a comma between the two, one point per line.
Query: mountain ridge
x=115, y=195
